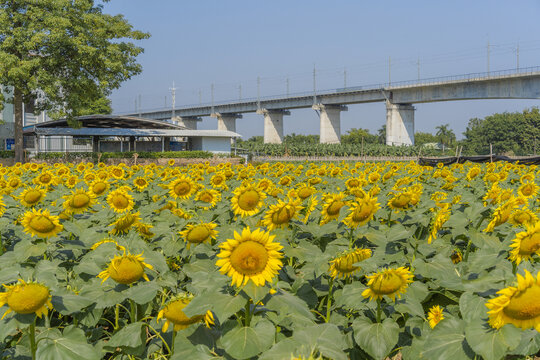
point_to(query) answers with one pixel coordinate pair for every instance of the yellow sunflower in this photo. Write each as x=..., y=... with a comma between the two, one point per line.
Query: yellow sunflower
x=174, y=314
x=523, y=217
x=78, y=202
x=124, y=223
x=361, y=212
x=389, y=282
x=41, y=223
x=209, y=197
x=280, y=214
x=400, y=200
x=99, y=187
x=120, y=201
x=219, y=180
x=46, y=178
x=343, y=265
x=529, y=189
x=31, y=196
x=435, y=316
x=517, y=305
x=107, y=241
x=144, y=230
x=250, y=256
x=140, y=183
x=183, y=187
x=247, y=200
x=442, y=216
x=311, y=206
x=473, y=172
x=526, y=244
x=126, y=269
x=502, y=214
x=199, y=233
x=331, y=207
x=26, y=298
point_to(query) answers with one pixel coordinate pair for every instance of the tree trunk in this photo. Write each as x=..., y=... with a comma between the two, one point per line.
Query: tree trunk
x=18, y=111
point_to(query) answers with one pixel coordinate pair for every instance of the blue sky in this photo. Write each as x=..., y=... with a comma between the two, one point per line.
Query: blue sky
x=231, y=43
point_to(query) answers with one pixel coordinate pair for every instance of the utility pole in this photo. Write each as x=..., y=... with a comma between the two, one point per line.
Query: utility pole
x=389, y=71
x=314, y=85
x=488, y=57
x=344, y=78
x=173, y=93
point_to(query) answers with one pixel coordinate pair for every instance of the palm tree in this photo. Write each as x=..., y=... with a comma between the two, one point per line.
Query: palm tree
x=445, y=135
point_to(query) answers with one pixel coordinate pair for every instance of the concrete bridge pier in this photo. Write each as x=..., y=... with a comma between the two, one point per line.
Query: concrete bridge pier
x=399, y=124
x=226, y=121
x=189, y=122
x=273, y=125
x=330, y=122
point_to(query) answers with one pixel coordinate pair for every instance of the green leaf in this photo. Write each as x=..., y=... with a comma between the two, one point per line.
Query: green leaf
x=143, y=292
x=130, y=339
x=246, y=342
x=289, y=305
x=326, y=338
x=223, y=305
x=472, y=307
x=447, y=341
x=71, y=345
x=351, y=296
x=376, y=339
x=492, y=344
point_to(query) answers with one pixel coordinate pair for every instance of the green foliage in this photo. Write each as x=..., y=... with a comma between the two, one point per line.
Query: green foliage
x=421, y=138
x=509, y=133
x=6, y=154
x=355, y=136
x=92, y=156
x=445, y=135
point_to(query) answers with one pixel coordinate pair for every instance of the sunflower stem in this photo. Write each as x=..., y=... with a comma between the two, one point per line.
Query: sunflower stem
x=32, y=335
x=378, y=310
x=514, y=268
x=133, y=311
x=173, y=340
x=116, y=316
x=161, y=337
x=466, y=256
x=389, y=218
x=247, y=320
x=329, y=299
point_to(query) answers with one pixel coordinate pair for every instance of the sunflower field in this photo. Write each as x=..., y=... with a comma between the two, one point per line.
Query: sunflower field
x=273, y=261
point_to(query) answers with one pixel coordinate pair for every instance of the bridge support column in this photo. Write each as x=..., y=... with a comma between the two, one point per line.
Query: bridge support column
x=273, y=125
x=226, y=121
x=189, y=122
x=330, y=122
x=399, y=124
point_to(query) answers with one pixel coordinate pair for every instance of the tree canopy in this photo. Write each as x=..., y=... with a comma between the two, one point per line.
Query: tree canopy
x=64, y=55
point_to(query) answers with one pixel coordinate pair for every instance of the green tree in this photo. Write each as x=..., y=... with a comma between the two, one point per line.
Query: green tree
x=67, y=54
x=355, y=136
x=445, y=135
x=381, y=133
x=421, y=138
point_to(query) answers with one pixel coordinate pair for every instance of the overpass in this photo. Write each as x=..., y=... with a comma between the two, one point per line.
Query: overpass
x=399, y=98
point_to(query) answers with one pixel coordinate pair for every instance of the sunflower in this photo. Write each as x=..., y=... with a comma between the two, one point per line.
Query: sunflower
x=14, y=182
x=71, y=181
x=311, y=205
x=247, y=200
x=170, y=162
x=343, y=265
x=31, y=196
x=523, y=217
x=208, y=196
x=144, y=230
x=199, y=233
x=517, y=305
x=107, y=241
x=473, y=172
x=435, y=316
x=125, y=269
x=78, y=202
x=26, y=298
x=492, y=195
x=218, y=180
x=526, y=244
x=304, y=191
x=280, y=214
x=400, y=200
x=120, y=201
x=99, y=187
x=174, y=314
x=456, y=256
x=361, y=212
x=41, y=223
x=331, y=207
x=124, y=223
x=117, y=172
x=250, y=256
x=46, y=178
x=140, y=183
x=183, y=187
x=528, y=189
x=389, y=282
x=502, y=214
x=442, y=216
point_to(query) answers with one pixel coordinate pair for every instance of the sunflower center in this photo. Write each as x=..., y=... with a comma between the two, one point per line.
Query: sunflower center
x=249, y=257
x=524, y=305
x=362, y=212
x=522, y=217
x=282, y=215
x=206, y=197
x=527, y=190
x=45, y=178
x=126, y=270
x=13, y=183
x=387, y=283
x=530, y=244
x=198, y=234
x=99, y=188
x=182, y=188
x=401, y=200
x=334, y=207
x=32, y=196
x=26, y=299
x=141, y=182
x=120, y=201
x=80, y=200
x=248, y=200
x=354, y=183
x=304, y=193
x=218, y=180
x=41, y=224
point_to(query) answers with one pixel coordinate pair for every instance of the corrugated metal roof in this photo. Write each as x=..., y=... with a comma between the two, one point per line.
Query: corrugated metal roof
x=67, y=131
x=113, y=121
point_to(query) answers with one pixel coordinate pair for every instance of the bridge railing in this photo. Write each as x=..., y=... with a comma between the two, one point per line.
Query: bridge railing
x=371, y=87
